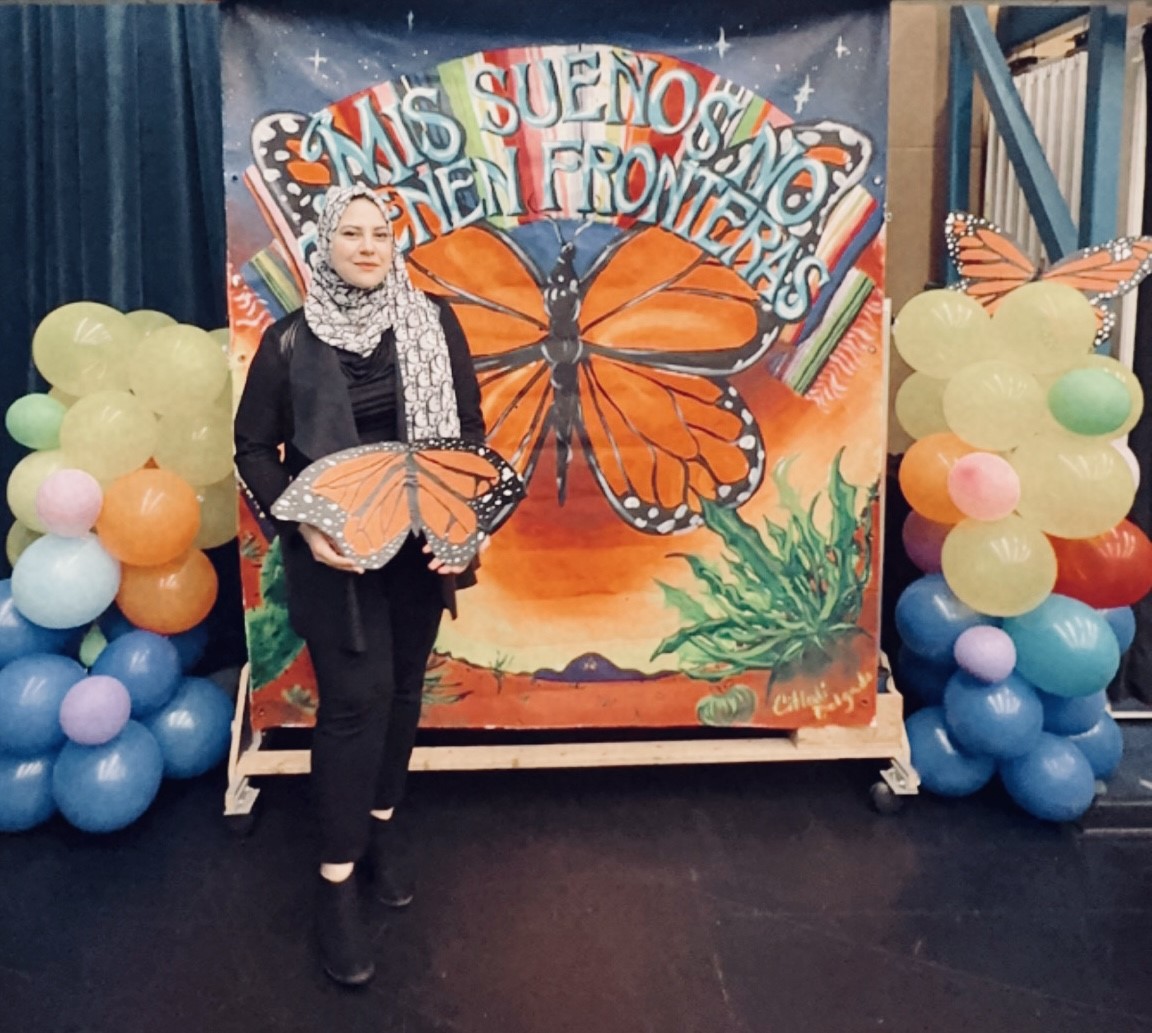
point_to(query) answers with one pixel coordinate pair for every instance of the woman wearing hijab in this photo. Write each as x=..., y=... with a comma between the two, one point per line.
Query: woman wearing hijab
x=368, y=358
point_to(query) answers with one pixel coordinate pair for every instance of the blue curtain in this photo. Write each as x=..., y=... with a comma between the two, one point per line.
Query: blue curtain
x=113, y=183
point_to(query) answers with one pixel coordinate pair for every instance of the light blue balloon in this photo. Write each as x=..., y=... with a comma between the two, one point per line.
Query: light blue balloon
x=930, y=618
x=31, y=691
x=147, y=664
x=25, y=791
x=105, y=788
x=19, y=636
x=920, y=679
x=194, y=728
x=1102, y=745
x=1054, y=781
x=1122, y=621
x=1065, y=715
x=1064, y=647
x=65, y=582
x=1001, y=720
x=943, y=767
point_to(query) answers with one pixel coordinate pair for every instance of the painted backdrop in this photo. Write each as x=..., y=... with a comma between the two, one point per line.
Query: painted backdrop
x=666, y=250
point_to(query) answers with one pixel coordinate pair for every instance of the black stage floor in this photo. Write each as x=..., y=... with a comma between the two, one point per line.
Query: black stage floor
x=764, y=899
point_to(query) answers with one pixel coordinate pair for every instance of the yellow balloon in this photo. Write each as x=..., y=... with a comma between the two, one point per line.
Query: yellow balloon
x=1045, y=327
x=178, y=369
x=920, y=405
x=197, y=446
x=109, y=434
x=146, y=320
x=994, y=405
x=218, y=514
x=84, y=347
x=1001, y=567
x=19, y=538
x=939, y=332
x=25, y=480
x=1071, y=486
x=222, y=337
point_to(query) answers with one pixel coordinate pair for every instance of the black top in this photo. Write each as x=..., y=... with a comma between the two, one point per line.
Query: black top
x=372, y=388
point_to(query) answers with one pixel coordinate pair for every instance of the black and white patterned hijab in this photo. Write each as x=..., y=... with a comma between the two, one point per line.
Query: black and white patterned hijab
x=354, y=318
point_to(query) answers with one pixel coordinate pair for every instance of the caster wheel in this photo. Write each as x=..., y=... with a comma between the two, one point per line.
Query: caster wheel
x=240, y=824
x=884, y=800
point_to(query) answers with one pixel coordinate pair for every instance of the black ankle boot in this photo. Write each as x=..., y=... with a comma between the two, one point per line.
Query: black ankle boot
x=343, y=941
x=390, y=884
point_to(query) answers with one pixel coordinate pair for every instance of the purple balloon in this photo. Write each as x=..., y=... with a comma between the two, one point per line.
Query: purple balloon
x=95, y=710
x=986, y=653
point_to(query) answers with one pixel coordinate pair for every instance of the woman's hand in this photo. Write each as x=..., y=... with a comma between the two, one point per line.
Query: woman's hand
x=324, y=551
x=438, y=566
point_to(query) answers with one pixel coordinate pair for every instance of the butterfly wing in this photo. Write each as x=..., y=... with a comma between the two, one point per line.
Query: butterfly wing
x=459, y=494
x=357, y=498
x=660, y=442
x=990, y=263
x=1103, y=273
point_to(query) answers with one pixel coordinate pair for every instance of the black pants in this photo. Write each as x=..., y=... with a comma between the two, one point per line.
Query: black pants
x=370, y=702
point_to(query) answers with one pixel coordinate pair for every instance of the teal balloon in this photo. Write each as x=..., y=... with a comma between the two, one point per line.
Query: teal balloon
x=34, y=421
x=1001, y=720
x=25, y=792
x=1065, y=647
x=1065, y=715
x=1090, y=402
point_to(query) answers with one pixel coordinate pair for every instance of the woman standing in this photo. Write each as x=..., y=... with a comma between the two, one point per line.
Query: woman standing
x=368, y=358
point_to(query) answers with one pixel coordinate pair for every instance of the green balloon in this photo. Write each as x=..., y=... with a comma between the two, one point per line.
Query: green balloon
x=93, y=645
x=34, y=421
x=1089, y=402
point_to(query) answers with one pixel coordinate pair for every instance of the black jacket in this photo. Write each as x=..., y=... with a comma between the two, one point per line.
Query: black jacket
x=296, y=409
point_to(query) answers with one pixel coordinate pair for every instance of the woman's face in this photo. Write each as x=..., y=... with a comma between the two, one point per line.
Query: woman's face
x=362, y=245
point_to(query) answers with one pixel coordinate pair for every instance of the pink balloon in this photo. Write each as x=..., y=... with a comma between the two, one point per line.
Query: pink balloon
x=69, y=502
x=984, y=486
x=923, y=541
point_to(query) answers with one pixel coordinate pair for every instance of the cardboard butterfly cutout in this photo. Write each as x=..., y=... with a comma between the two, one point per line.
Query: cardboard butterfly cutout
x=991, y=264
x=370, y=498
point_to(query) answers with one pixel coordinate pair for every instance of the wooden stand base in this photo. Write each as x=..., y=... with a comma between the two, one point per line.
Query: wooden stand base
x=884, y=739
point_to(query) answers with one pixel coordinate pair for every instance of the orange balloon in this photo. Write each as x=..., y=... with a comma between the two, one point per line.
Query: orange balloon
x=169, y=598
x=924, y=476
x=149, y=517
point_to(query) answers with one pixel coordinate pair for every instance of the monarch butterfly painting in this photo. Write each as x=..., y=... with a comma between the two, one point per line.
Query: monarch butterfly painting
x=669, y=284
x=991, y=264
x=368, y=499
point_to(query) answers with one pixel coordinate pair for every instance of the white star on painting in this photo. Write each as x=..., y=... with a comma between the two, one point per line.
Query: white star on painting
x=841, y=50
x=722, y=44
x=804, y=94
x=317, y=60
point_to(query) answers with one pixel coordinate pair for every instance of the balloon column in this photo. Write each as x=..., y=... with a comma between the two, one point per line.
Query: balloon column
x=1019, y=484
x=129, y=480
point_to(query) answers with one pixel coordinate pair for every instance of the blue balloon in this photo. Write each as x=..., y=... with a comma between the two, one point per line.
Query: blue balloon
x=191, y=646
x=31, y=691
x=1064, y=647
x=104, y=788
x=65, y=582
x=1054, y=781
x=25, y=791
x=1102, y=745
x=1122, y=621
x=194, y=729
x=1071, y=716
x=920, y=679
x=930, y=618
x=943, y=767
x=147, y=664
x=1002, y=719
x=114, y=624
x=19, y=636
